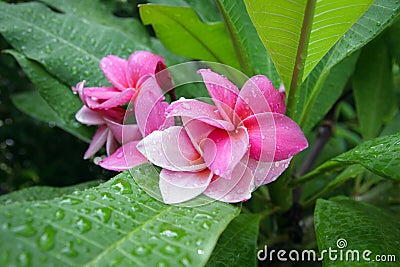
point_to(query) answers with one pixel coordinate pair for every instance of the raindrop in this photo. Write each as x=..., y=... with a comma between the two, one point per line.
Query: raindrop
x=83, y=225
x=123, y=186
x=70, y=201
x=200, y=251
x=24, y=229
x=69, y=250
x=59, y=214
x=46, y=240
x=103, y=214
x=168, y=249
x=106, y=196
x=168, y=233
x=24, y=259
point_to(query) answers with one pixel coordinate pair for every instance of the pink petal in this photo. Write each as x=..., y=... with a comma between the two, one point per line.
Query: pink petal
x=197, y=132
x=140, y=64
x=98, y=140
x=223, y=92
x=267, y=172
x=100, y=93
x=125, y=157
x=114, y=69
x=178, y=187
x=89, y=117
x=150, y=108
x=171, y=149
x=119, y=100
x=223, y=150
x=237, y=189
x=274, y=137
x=258, y=95
x=201, y=111
x=111, y=144
x=124, y=133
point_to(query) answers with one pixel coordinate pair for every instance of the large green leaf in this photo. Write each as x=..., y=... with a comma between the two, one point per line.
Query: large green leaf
x=43, y=192
x=325, y=91
x=101, y=12
x=237, y=245
x=182, y=32
x=315, y=102
x=56, y=95
x=373, y=87
x=297, y=34
x=207, y=9
x=252, y=56
x=34, y=105
x=379, y=155
x=359, y=227
x=68, y=46
x=116, y=223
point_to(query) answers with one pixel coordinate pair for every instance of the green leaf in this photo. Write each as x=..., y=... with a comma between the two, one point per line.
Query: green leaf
x=182, y=32
x=362, y=226
x=251, y=54
x=297, y=34
x=238, y=243
x=393, y=40
x=373, y=87
x=380, y=15
x=57, y=96
x=101, y=12
x=207, y=9
x=325, y=90
x=116, y=223
x=68, y=47
x=43, y=192
x=379, y=155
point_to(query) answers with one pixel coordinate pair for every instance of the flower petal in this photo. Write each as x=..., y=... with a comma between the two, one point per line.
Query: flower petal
x=267, y=172
x=223, y=92
x=258, y=95
x=177, y=187
x=111, y=144
x=150, y=108
x=119, y=100
x=197, y=132
x=114, y=69
x=171, y=149
x=237, y=189
x=124, y=133
x=89, y=117
x=223, y=150
x=100, y=93
x=274, y=137
x=125, y=157
x=201, y=111
x=141, y=63
x=98, y=140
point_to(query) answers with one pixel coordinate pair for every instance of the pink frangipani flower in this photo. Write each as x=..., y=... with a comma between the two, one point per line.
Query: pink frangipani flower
x=227, y=150
x=102, y=105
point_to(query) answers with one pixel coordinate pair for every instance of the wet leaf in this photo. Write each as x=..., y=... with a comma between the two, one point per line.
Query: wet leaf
x=238, y=243
x=182, y=32
x=43, y=192
x=346, y=225
x=115, y=223
x=53, y=95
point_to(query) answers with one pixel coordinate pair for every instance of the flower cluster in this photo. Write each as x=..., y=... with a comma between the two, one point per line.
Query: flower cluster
x=223, y=150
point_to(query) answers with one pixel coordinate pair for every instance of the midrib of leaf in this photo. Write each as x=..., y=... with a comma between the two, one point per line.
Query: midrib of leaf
x=127, y=237
x=55, y=36
x=298, y=68
x=237, y=45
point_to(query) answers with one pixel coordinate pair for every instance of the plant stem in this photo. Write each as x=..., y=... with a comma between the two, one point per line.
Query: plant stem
x=301, y=56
